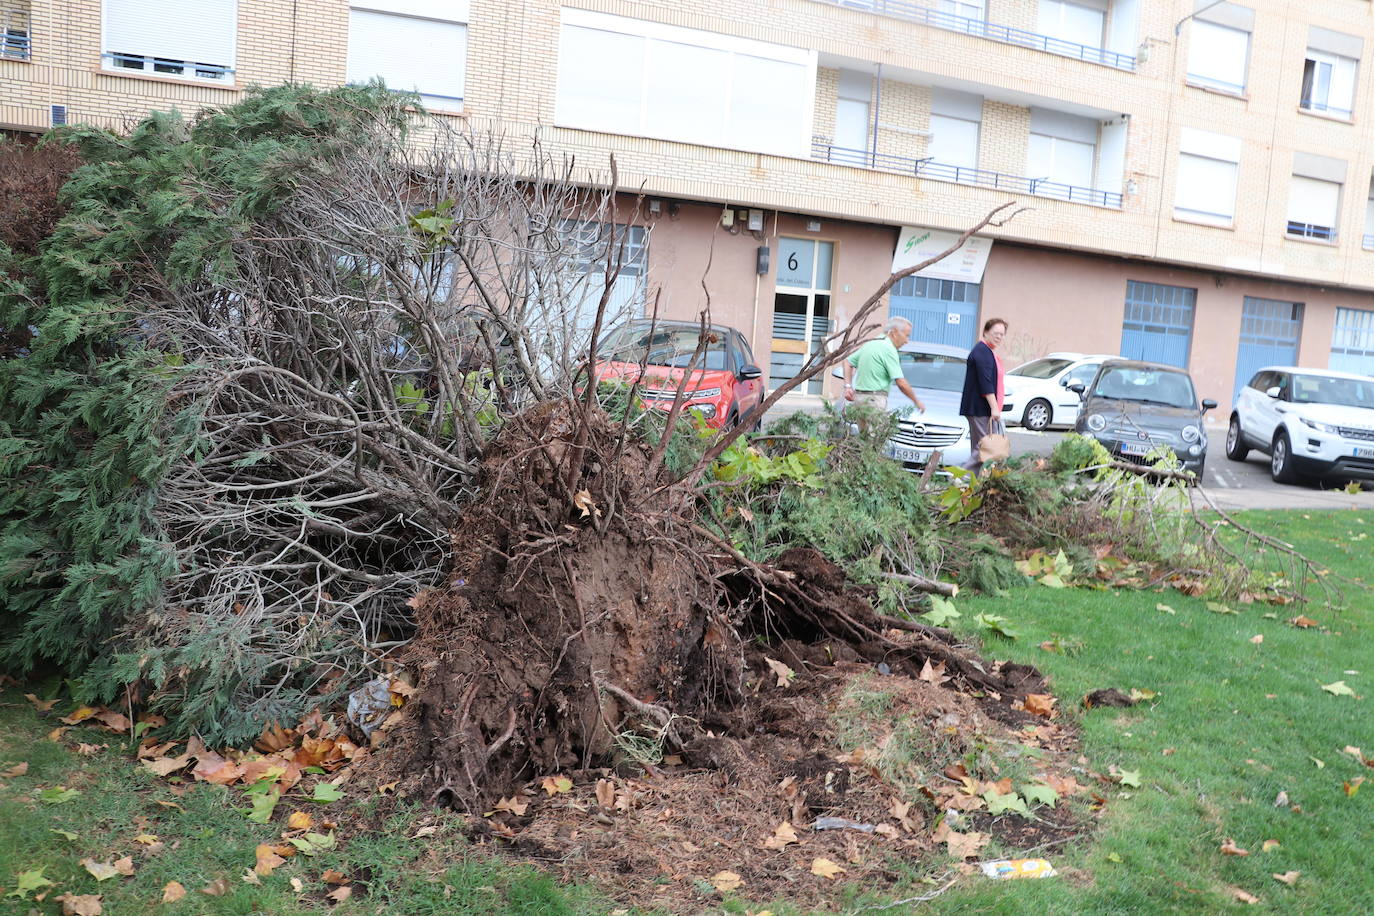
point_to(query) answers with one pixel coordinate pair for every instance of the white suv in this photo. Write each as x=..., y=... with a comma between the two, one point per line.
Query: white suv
x=1311, y=423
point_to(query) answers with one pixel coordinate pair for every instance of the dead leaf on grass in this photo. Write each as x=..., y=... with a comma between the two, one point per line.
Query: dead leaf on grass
x=1040, y=704
x=40, y=705
x=342, y=893
x=101, y=871
x=1229, y=848
x=825, y=868
x=1289, y=877
x=553, y=785
x=518, y=806
x=1243, y=896
x=116, y=722
x=166, y=766
x=300, y=820
x=79, y=715
x=250, y=877
x=125, y=866
x=216, y=888
x=90, y=750
x=1303, y=622
x=726, y=881
x=965, y=845
x=80, y=904
x=334, y=876
x=783, y=834
x=1352, y=786
x=19, y=769
x=605, y=793
x=267, y=860
x=173, y=892
x=1269, y=844
x=1257, y=638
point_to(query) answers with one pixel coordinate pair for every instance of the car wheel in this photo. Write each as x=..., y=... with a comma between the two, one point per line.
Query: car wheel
x=1236, y=448
x=732, y=420
x=1281, y=460
x=1038, y=415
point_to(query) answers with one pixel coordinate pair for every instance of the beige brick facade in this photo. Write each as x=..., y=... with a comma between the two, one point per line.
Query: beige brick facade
x=511, y=85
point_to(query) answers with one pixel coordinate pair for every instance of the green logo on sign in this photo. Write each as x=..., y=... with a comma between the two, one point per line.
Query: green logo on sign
x=914, y=241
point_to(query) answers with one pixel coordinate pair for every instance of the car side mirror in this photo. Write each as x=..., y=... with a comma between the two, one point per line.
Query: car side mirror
x=1077, y=388
x=749, y=372
x=1208, y=404
x=1273, y=392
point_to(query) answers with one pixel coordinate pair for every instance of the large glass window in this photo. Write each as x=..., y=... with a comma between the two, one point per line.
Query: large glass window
x=1328, y=84
x=1079, y=23
x=1218, y=56
x=184, y=39
x=1352, y=341
x=412, y=45
x=628, y=76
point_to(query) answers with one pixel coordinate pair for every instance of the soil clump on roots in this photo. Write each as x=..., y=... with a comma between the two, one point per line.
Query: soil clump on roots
x=606, y=688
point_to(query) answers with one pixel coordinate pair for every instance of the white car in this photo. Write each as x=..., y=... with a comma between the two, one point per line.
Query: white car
x=1311, y=423
x=1038, y=394
x=936, y=372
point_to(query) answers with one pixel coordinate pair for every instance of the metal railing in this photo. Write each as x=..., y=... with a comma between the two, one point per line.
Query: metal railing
x=914, y=12
x=1311, y=231
x=958, y=174
x=14, y=44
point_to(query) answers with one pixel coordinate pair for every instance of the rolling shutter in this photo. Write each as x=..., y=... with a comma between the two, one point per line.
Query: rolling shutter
x=197, y=31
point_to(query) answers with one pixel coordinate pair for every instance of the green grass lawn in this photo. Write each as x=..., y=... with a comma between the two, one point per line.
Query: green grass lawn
x=1234, y=723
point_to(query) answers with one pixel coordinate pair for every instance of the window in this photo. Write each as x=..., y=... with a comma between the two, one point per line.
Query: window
x=1079, y=23
x=965, y=15
x=1205, y=190
x=1352, y=341
x=955, y=122
x=14, y=42
x=416, y=46
x=852, y=112
x=1328, y=84
x=627, y=76
x=1314, y=196
x=1062, y=153
x=1218, y=56
x=184, y=39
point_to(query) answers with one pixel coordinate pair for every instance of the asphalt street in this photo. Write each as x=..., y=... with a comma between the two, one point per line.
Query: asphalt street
x=1230, y=484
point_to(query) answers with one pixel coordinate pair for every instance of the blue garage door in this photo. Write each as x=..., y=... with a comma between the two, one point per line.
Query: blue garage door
x=1352, y=342
x=1158, y=325
x=940, y=311
x=1269, y=332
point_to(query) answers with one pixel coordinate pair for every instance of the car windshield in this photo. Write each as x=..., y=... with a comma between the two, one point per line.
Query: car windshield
x=663, y=346
x=1321, y=389
x=933, y=371
x=1147, y=386
x=1047, y=367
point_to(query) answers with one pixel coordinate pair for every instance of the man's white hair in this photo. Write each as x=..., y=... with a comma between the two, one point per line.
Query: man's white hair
x=896, y=322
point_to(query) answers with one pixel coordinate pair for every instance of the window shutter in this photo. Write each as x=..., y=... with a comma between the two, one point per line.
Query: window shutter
x=1312, y=202
x=197, y=31
x=416, y=55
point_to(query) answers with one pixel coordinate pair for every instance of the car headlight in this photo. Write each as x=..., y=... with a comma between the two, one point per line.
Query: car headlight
x=1320, y=427
x=1096, y=422
x=1195, y=450
x=1190, y=433
x=703, y=394
x=706, y=410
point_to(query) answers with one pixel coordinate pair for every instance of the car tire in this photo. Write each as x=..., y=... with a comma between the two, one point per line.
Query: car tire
x=1236, y=449
x=732, y=419
x=1281, y=460
x=1038, y=415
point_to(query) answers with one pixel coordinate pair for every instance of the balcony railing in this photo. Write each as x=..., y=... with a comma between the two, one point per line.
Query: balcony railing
x=914, y=12
x=1310, y=231
x=14, y=44
x=958, y=174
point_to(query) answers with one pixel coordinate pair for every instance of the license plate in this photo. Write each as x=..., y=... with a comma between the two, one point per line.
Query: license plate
x=1135, y=448
x=1364, y=452
x=911, y=455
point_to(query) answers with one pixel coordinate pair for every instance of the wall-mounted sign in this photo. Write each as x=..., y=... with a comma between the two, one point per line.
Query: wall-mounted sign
x=916, y=244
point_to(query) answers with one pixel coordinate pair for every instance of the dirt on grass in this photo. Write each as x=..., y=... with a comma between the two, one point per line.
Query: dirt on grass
x=607, y=689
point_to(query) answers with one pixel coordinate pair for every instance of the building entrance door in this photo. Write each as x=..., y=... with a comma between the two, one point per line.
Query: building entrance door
x=801, y=308
x=1269, y=332
x=940, y=311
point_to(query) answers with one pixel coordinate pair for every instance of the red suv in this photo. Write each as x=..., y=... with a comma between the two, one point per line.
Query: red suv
x=724, y=387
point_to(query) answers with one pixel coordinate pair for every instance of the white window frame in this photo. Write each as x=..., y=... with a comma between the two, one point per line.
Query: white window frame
x=133, y=60
x=1203, y=56
x=1317, y=96
x=448, y=15
x=1052, y=19
x=1217, y=154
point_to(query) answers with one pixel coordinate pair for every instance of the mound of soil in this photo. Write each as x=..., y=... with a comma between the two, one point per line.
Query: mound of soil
x=607, y=688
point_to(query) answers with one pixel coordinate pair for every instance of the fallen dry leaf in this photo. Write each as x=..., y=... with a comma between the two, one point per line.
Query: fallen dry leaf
x=605, y=793
x=250, y=877
x=146, y=839
x=297, y=885
x=1304, y=622
x=933, y=674
x=166, y=766
x=425, y=831
x=826, y=868
x=267, y=860
x=300, y=820
x=19, y=769
x=125, y=866
x=1281, y=799
x=582, y=499
x=783, y=672
x=517, y=805
x=1353, y=786
x=1289, y=877
x=112, y=720
x=782, y=836
x=553, y=785
x=965, y=845
x=216, y=888
x=40, y=705
x=343, y=892
x=214, y=769
x=1243, y=896
x=101, y=871
x=1229, y=848
x=1257, y=638
x=80, y=714
x=90, y=750
x=726, y=881
x=1268, y=845
x=83, y=904
x=173, y=892
x=333, y=876
x=1040, y=704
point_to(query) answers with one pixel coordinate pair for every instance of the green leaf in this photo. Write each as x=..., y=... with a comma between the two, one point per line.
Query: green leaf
x=1129, y=778
x=941, y=611
x=1062, y=567
x=65, y=834
x=1052, y=580
x=326, y=792
x=996, y=624
x=1114, y=857
x=1339, y=689
x=312, y=843
x=1001, y=804
x=1165, y=608
x=28, y=882
x=1217, y=608
x=1039, y=794
x=264, y=803
x=57, y=795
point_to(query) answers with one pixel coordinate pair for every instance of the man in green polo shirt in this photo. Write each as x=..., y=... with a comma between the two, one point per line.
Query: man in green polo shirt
x=870, y=370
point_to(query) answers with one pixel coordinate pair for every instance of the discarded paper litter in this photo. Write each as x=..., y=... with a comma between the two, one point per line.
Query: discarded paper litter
x=1018, y=868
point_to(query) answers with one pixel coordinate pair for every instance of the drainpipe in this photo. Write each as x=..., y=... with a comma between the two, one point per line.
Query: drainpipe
x=877, y=106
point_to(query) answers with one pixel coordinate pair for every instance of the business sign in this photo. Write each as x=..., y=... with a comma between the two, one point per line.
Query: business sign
x=915, y=245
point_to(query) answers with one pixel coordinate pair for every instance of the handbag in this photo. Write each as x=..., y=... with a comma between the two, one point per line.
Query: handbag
x=995, y=446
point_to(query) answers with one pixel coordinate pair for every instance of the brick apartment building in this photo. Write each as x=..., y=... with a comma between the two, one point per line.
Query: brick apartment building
x=1197, y=174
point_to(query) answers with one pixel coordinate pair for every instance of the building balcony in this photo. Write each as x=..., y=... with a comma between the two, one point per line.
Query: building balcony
x=957, y=174
x=914, y=12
